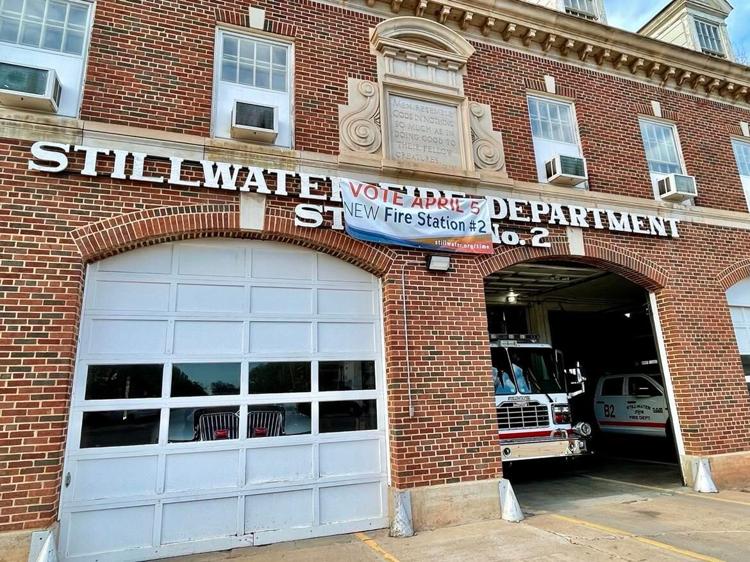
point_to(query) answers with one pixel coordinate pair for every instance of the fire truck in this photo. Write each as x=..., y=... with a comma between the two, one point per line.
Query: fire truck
x=532, y=397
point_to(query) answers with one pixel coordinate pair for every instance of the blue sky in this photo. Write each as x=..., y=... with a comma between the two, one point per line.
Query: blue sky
x=632, y=14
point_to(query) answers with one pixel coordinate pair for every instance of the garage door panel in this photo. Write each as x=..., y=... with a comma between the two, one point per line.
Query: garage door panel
x=276, y=338
x=212, y=260
x=280, y=510
x=91, y=532
x=351, y=502
x=349, y=458
x=199, y=520
x=115, y=477
x=200, y=338
x=202, y=471
x=210, y=298
x=154, y=259
x=283, y=264
x=348, y=302
x=288, y=463
x=281, y=300
x=127, y=337
x=332, y=269
x=349, y=337
x=131, y=296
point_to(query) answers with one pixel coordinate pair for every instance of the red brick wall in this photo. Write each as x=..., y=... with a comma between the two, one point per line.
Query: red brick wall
x=151, y=66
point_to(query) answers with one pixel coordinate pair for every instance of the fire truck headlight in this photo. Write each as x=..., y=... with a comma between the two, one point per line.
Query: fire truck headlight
x=583, y=429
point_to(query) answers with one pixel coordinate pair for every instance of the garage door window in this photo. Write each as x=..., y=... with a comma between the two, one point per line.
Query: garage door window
x=187, y=425
x=279, y=378
x=205, y=379
x=120, y=428
x=276, y=420
x=346, y=375
x=350, y=415
x=115, y=382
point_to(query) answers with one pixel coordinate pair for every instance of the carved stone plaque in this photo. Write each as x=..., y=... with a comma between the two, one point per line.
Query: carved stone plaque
x=424, y=131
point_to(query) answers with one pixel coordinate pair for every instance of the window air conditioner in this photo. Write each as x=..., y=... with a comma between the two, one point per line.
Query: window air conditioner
x=255, y=122
x=29, y=87
x=677, y=188
x=566, y=170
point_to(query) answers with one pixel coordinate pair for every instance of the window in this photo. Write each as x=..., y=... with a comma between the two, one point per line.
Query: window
x=59, y=28
x=255, y=72
x=120, y=428
x=205, y=379
x=742, y=153
x=554, y=131
x=581, y=8
x=661, y=148
x=639, y=386
x=709, y=38
x=54, y=25
x=738, y=298
x=612, y=387
x=115, y=382
x=254, y=63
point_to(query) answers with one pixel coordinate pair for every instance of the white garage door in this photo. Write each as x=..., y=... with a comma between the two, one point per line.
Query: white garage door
x=226, y=393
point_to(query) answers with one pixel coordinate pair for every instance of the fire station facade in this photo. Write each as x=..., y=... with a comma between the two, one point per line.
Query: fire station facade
x=173, y=252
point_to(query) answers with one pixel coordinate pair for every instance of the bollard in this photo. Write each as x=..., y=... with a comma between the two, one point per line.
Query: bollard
x=509, y=508
x=704, y=483
x=402, y=525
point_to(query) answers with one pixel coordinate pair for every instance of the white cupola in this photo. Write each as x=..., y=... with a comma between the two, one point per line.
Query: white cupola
x=696, y=24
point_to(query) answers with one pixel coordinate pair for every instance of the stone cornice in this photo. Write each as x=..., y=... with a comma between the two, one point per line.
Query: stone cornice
x=542, y=30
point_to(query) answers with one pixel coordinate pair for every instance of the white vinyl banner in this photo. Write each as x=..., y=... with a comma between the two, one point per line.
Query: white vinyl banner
x=448, y=224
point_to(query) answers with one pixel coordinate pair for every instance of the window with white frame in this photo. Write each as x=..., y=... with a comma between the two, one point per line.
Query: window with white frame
x=554, y=131
x=582, y=8
x=255, y=73
x=662, y=147
x=738, y=298
x=59, y=29
x=709, y=38
x=52, y=24
x=742, y=153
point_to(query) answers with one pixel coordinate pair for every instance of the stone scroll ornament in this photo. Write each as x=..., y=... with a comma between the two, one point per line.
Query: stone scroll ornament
x=359, y=122
x=487, y=144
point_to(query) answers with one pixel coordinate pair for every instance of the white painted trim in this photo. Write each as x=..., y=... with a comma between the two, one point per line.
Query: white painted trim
x=666, y=373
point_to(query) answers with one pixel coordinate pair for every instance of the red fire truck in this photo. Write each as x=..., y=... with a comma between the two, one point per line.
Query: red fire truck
x=532, y=396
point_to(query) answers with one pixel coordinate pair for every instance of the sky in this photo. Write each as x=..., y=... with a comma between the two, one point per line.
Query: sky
x=632, y=14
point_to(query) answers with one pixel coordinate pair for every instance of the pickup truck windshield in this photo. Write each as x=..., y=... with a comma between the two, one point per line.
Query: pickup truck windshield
x=525, y=371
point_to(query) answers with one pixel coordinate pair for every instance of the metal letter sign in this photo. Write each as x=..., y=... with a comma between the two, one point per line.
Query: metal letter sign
x=447, y=224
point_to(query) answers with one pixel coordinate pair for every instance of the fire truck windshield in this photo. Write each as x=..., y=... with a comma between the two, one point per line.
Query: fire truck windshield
x=524, y=370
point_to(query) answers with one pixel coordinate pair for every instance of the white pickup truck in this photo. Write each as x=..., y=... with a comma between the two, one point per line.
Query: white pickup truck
x=632, y=404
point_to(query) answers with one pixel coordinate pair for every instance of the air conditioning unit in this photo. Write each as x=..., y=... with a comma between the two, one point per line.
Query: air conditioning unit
x=566, y=170
x=677, y=188
x=29, y=87
x=251, y=121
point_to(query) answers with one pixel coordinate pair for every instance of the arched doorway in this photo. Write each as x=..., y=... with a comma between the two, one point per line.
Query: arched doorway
x=583, y=318
x=227, y=392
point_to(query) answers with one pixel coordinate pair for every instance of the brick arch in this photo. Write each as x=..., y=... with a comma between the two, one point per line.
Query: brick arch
x=603, y=255
x=168, y=224
x=734, y=274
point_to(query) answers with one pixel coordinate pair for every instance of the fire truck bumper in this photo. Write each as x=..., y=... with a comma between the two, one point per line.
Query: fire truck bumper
x=544, y=448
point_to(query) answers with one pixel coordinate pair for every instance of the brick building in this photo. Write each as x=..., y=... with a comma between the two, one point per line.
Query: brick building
x=173, y=251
